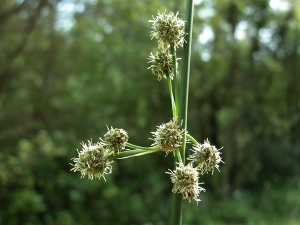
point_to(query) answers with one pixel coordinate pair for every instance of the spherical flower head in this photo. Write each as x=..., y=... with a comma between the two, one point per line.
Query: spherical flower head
x=161, y=64
x=185, y=182
x=168, y=136
x=92, y=161
x=168, y=29
x=205, y=157
x=115, y=139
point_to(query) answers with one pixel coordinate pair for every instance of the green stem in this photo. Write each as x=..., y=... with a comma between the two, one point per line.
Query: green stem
x=171, y=95
x=176, y=80
x=134, y=152
x=176, y=212
x=185, y=77
x=179, y=159
x=193, y=140
x=140, y=147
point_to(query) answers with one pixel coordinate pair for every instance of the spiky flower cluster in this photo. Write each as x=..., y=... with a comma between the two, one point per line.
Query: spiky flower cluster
x=205, y=157
x=115, y=139
x=162, y=64
x=185, y=182
x=168, y=136
x=92, y=161
x=168, y=29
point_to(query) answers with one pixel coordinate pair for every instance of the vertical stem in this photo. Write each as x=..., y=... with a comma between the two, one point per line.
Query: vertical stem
x=176, y=212
x=176, y=80
x=185, y=76
x=179, y=159
x=174, y=107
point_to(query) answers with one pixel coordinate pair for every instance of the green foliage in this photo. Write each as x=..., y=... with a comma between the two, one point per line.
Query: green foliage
x=271, y=205
x=58, y=86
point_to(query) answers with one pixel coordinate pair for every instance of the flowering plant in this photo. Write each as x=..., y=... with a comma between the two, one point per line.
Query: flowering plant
x=95, y=159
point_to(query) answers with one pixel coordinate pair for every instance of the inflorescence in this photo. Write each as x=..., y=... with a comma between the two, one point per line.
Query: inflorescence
x=115, y=139
x=168, y=136
x=185, y=182
x=205, y=157
x=94, y=160
x=168, y=29
x=161, y=64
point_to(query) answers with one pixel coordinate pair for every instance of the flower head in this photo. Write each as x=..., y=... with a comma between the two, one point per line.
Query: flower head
x=185, y=181
x=168, y=136
x=161, y=64
x=205, y=157
x=168, y=29
x=92, y=161
x=115, y=139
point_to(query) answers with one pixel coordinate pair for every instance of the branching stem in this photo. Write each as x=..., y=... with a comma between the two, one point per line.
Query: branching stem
x=134, y=153
x=140, y=147
x=193, y=140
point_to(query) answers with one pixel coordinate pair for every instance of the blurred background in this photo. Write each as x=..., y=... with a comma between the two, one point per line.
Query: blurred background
x=68, y=68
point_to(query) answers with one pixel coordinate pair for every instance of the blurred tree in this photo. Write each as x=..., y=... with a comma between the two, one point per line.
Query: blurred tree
x=253, y=119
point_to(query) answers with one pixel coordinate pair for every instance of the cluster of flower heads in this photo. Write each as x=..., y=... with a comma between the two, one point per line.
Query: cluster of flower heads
x=204, y=158
x=93, y=160
x=168, y=136
x=168, y=29
x=185, y=178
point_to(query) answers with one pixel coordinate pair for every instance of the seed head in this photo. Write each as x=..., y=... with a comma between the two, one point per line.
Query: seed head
x=161, y=64
x=92, y=161
x=185, y=181
x=205, y=157
x=168, y=136
x=115, y=139
x=168, y=29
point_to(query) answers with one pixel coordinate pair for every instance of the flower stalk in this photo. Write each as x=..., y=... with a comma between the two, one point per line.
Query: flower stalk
x=176, y=81
x=176, y=211
x=173, y=104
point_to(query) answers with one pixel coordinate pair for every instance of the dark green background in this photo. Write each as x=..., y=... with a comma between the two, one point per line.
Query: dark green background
x=61, y=86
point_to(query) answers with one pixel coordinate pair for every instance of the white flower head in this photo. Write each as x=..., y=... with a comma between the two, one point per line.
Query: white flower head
x=115, y=139
x=92, y=161
x=205, y=157
x=168, y=136
x=161, y=64
x=185, y=182
x=168, y=29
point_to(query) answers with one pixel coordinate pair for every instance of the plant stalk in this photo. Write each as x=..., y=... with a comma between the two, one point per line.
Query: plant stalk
x=176, y=80
x=176, y=211
x=134, y=152
x=140, y=147
x=171, y=96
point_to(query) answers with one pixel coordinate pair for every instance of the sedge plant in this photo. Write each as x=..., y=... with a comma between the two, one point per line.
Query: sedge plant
x=95, y=159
